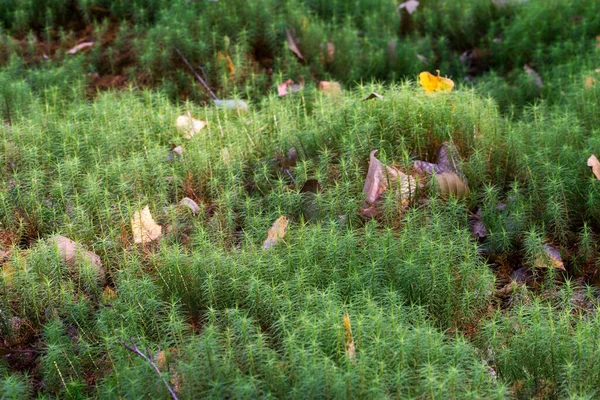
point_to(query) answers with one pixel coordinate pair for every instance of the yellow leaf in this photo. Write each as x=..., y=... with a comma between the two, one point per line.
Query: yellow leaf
x=276, y=232
x=589, y=82
x=144, y=229
x=432, y=83
x=108, y=294
x=224, y=58
x=350, y=348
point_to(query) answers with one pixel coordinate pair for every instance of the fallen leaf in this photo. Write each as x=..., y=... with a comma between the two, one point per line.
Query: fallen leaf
x=410, y=6
x=236, y=105
x=328, y=53
x=532, y=73
x=289, y=87
x=349, y=338
x=276, y=232
x=589, y=82
x=71, y=252
x=432, y=83
x=176, y=153
x=311, y=186
x=144, y=229
x=594, y=164
x=191, y=204
x=189, y=126
x=108, y=294
x=426, y=167
x=478, y=229
x=330, y=88
x=224, y=58
x=449, y=184
x=79, y=47
x=551, y=254
x=423, y=59
x=447, y=158
x=292, y=44
x=373, y=95
x=378, y=178
x=521, y=275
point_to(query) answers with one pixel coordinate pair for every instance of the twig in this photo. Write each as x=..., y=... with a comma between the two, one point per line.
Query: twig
x=290, y=175
x=133, y=348
x=202, y=81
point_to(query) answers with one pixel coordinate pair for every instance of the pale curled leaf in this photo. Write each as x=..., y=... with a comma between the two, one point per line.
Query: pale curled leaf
x=373, y=95
x=79, y=47
x=594, y=164
x=276, y=232
x=189, y=126
x=349, y=338
x=191, y=204
x=377, y=179
x=292, y=44
x=71, y=252
x=533, y=74
x=144, y=229
x=289, y=87
x=410, y=6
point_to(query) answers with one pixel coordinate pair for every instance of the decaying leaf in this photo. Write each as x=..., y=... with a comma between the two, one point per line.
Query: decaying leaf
x=223, y=57
x=79, y=47
x=71, y=252
x=349, y=338
x=292, y=44
x=236, y=105
x=276, y=232
x=552, y=255
x=108, y=294
x=589, y=82
x=373, y=95
x=176, y=153
x=289, y=86
x=594, y=164
x=410, y=6
x=191, y=204
x=379, y=177
x=432, y=83
x=533, y=74
x=328, y=53
x=521, y=275
x=189, y=126
x=478, y=229
x=144, y=229
x=330, y=88
x=422, y=167
x=423, y=59
x=449, y=184
x=447, y=158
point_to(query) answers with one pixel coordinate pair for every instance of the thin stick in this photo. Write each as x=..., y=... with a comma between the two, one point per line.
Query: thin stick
x=202, y=81
x=133, y=348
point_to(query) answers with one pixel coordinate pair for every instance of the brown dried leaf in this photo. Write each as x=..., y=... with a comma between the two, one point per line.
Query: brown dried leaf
x=373, y=95
x=450, y=184
x=478, y=229
x=292, y=44
x=447, y=159
x=532, y=73
x=189, y=126
x=589, y=82
x=554, y=256
x=144, y=229
x=80, y=46
x=594, y=164
x=276, y=232
x=330, y=88
x=108, y=294
x=349, y=339
x=424, y=167
x=410, y=6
